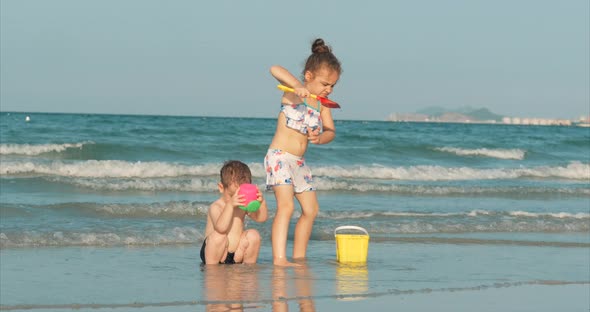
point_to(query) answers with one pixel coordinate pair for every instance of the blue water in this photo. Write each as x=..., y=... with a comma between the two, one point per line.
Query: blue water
x=76, y=181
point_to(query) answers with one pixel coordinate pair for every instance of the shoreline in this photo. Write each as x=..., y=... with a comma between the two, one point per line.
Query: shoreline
x=543, y=292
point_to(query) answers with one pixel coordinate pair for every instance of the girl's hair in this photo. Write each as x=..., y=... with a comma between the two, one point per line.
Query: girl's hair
x=321, y=55
x=234, y=171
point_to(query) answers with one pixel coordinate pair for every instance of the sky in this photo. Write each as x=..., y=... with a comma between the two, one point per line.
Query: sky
x=521, y=58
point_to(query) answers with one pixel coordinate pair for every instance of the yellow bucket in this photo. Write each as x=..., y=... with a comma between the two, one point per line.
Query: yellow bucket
x=351, y=247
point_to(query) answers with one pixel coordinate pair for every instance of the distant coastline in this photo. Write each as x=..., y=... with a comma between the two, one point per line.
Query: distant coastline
x=481, y=116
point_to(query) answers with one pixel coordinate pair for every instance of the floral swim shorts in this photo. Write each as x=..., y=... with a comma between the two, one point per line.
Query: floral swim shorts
x=283, y=168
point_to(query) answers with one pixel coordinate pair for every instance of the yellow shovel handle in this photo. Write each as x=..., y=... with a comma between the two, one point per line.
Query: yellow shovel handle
x=287, y=89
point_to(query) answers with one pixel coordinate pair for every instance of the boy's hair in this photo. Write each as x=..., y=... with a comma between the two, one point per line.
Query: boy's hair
x=321, y=55
x=235, y=171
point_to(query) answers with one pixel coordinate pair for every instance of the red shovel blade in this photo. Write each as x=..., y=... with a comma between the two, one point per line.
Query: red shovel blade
x=327, y=102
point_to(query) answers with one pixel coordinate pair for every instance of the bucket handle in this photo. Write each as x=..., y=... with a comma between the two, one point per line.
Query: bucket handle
x=350, y=227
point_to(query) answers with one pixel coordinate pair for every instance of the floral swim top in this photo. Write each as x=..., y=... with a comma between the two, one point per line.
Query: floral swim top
x=300, y=116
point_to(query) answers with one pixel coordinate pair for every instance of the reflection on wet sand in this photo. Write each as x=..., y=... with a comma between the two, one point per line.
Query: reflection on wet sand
x=228, y=287
x=289, y=283
x=351, y=280
x=255, y=287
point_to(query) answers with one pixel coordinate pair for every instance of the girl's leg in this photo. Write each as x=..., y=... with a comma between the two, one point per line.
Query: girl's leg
x=279, y=289
x=309, y=210
x=280, y=225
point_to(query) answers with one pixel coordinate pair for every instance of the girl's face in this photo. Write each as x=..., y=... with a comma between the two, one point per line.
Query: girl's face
x=322, y=81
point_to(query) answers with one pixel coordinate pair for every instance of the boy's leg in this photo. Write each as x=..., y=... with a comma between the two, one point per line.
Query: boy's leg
x=248, y=247
x=309, y=210
x=216, y=248
x=280, y=225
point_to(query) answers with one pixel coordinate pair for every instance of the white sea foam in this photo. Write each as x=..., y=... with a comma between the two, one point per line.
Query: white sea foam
x=402, y=223
x=559, y=215
x=150, y=185
x=200, y=185
x=177, y=235
x=434, y=190
x=517, y=154
x=477, y=212
x=169, y=209
x=500, y=226
x=335, y=215
x=32, y=150
x=574, y=170
x=126, y=169
x=108, y=169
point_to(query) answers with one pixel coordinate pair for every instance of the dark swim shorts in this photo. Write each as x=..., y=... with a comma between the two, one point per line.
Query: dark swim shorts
x=229, y=259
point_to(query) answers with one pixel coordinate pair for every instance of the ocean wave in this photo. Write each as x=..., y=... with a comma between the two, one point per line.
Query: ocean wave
x=387, y=227
x=172, y=209
x=150, y=185
x=200, y=185
x=517, y=154
x=159, y=210
x=437, y=190
x=476, y=241
x=558, y=215
x=177, y=235
x=380, y=230
x=500, y=215
x=125, y=169
x=33, y=150
x=209, y=185
x=574, y=170
x=108, y=169
x=189, y=209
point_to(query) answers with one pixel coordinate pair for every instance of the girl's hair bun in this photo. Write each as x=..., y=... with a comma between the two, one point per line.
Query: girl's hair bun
x=319, y=46
x=321, y=56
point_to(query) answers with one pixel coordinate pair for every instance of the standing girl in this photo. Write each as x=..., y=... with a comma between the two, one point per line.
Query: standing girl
x=302, y=120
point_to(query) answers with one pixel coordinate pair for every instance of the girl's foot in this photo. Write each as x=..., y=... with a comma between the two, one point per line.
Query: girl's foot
x=283, y=262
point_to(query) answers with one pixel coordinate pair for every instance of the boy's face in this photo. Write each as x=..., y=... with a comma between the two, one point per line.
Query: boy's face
x=322, y=81
x=230, y=190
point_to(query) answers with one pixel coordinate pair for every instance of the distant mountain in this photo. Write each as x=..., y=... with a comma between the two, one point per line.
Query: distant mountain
x=467, y=111
x=432, y=111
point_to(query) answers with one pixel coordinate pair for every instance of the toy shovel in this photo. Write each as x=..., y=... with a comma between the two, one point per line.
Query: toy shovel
x=325, y=101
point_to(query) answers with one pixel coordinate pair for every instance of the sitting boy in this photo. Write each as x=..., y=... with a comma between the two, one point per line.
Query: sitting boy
x=226, y=241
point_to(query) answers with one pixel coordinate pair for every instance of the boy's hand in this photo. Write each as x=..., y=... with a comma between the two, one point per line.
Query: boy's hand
x=313, y=135
x=237, y=199
x=259, y=196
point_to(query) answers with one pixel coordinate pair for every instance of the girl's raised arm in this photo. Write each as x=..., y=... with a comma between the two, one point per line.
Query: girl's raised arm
x=285, y=77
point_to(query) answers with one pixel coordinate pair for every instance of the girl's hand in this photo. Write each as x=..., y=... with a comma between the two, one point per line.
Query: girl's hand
x=237, y=199
x=302, y=92
x=313, y=135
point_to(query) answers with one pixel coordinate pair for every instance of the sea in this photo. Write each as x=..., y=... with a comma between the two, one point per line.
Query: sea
x=109, y=211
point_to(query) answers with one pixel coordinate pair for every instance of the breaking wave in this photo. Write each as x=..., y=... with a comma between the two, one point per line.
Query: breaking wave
x=126, y=169
x=33, y=150
x=517, y=154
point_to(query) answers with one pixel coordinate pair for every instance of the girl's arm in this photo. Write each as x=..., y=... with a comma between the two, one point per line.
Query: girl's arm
x=329, y=129
x=286, y=78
